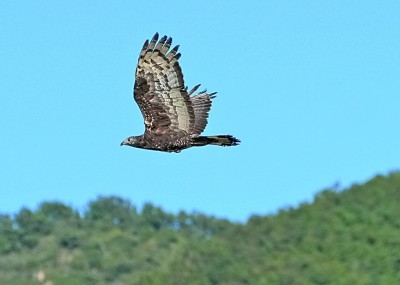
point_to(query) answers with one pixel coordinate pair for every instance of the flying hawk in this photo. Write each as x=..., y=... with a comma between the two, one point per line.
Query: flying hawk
x=173, y=116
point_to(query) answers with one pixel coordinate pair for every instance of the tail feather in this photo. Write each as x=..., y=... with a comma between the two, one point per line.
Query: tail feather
x=221, y=140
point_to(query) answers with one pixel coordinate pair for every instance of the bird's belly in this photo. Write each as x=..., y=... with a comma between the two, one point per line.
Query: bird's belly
x=169, y=143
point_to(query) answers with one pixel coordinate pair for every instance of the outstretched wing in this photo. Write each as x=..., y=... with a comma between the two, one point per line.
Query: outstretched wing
x=159, y=89
x=201, y=104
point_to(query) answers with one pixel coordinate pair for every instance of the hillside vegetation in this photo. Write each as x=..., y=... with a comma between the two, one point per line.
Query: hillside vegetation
x=341, y=238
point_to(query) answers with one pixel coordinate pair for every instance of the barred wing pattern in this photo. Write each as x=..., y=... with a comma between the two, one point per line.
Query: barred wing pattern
x=159, y=89
x=201, y=104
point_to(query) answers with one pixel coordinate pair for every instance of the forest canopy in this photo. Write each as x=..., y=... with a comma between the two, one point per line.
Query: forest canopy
x=351, y=236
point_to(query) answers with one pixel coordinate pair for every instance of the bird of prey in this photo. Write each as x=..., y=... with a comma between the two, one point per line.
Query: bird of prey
x=174, y=117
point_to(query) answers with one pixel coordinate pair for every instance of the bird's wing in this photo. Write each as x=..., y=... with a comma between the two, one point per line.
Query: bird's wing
x=159, y=89
x=201, y=104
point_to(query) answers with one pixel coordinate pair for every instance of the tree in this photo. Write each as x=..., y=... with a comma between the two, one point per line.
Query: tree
x=32, y=222
x=156, y=217
x=111, y=211
x=8, y=235
x=57, y=211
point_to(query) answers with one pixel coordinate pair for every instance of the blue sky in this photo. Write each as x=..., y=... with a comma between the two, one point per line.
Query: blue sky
x=310, y=87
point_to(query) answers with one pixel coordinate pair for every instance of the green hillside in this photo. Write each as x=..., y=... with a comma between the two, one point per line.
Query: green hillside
x=343, y=237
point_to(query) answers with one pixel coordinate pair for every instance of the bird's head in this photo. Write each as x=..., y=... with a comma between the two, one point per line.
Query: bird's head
x=134, y=141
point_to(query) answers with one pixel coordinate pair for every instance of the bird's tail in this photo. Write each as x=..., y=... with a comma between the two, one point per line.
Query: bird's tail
x=221, y=140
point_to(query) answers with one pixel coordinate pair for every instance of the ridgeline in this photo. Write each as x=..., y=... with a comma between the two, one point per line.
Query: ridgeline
x=343, y=237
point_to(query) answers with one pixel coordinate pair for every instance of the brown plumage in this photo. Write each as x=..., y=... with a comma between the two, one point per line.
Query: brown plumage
x=174, y=118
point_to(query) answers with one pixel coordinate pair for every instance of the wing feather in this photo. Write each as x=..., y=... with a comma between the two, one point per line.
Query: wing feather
x=202, y=102
x=166, y=46
x=173, y=52
x=159, y=89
